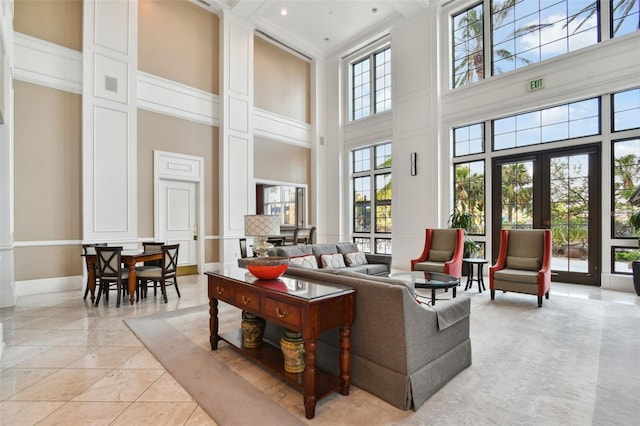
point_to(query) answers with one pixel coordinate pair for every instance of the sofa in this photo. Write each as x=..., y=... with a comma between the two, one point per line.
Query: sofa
x=402, y=351
x=335, y=256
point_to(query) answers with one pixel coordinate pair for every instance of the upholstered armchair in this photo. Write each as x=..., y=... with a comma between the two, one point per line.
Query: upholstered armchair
x=524, y=263
x=443, y=250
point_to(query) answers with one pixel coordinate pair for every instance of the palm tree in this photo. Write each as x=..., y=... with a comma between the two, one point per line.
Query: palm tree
x=517, y=191
x=620, y=8
x=471, y=41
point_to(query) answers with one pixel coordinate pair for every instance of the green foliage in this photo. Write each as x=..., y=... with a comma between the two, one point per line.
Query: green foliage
x=460, y=219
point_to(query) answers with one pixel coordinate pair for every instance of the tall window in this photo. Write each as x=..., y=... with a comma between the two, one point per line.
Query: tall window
x=371, y=211
x=626, y=180
x=626, y=110
x=557, y=123
x=524, y=32
x=468, y=47
x=469, y=193
x=371, y=85
x=281, y=201
x=625, y=17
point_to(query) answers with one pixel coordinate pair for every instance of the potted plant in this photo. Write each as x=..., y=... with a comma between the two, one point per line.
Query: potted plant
x=460, y=219
x=634, y=221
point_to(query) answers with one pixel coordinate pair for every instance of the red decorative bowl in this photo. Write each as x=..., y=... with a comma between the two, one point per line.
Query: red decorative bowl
x=267, y=268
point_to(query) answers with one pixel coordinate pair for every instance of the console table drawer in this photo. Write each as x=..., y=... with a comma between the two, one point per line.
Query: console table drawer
x=282, y=311
x=247, y=299
x=223, y=291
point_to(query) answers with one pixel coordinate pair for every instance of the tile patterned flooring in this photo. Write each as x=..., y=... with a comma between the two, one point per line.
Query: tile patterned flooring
x=68, y=362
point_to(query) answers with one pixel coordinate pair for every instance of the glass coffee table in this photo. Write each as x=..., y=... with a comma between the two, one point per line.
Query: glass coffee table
x=429, y=280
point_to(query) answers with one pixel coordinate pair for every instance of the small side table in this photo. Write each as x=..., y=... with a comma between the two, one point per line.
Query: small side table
x=470, y=261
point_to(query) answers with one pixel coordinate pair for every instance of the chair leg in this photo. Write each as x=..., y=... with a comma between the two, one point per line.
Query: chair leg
x=493, y=294
x=119, y=289
x=540, y=301
x=546, y=295
x=100, y=290
x=175, y=283
x=163, y=290
x=86, y=292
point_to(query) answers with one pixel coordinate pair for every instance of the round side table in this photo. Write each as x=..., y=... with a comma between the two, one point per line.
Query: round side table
x=479, y=278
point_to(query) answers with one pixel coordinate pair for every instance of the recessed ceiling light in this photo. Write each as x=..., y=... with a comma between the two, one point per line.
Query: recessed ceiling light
x=326, y=39
x=283, y=12
x=374, y=10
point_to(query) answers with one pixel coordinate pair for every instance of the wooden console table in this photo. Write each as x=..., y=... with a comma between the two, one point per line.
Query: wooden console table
x=307, y=307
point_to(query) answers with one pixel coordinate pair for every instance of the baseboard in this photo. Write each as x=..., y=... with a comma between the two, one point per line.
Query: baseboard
x=617, y=282
x=48, y=285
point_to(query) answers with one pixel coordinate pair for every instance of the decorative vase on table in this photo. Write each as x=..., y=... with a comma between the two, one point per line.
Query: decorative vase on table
x=292, y=345
x=252, y=330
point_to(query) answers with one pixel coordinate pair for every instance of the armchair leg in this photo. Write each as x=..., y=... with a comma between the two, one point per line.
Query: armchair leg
x=546, y=295
x=539, y=301
x=493, y=294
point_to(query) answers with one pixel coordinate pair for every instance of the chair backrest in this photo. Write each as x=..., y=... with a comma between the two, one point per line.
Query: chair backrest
x=170, y=259
x=243, y=247
x=526, y=243
x=295, y=236
x=151, y=246
x=444, y=240
x=109, y=261
x=312, y=235
x=85, y=251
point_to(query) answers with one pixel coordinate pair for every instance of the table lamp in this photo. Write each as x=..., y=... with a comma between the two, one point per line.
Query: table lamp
x=261, y=226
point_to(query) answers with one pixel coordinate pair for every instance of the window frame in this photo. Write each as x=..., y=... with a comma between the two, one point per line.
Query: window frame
x=371, y=173
x=370, y=54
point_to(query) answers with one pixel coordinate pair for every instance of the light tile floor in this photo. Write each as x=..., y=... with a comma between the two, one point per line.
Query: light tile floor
x=68, y=362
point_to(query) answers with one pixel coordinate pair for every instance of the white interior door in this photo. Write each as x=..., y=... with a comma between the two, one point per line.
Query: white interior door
x=179, y=217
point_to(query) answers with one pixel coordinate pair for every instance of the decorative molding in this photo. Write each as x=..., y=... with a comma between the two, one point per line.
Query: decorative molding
x=47, y=64
x=48, y=285
x=163, y=96
x=277, y=127
x=111, y=79
x=47, y=243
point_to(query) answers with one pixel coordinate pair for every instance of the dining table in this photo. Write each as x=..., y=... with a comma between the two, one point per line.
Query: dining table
x=129, y=259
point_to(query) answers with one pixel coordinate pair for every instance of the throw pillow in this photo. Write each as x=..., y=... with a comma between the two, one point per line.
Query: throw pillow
x=439, y=255
x=307, y=261
x=332, y=261
x=524, y=263
x=356, y=258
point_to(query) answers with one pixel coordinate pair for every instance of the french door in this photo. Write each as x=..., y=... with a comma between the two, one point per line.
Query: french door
x=557, y=190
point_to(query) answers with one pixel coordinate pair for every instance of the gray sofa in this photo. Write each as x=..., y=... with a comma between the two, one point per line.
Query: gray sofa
x=376, y=264
x=402, y=351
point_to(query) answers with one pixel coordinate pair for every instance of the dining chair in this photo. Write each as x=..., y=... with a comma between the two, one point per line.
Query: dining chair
x=168, y=271
x=85, y=252
x=148, y=246
x=110, y=271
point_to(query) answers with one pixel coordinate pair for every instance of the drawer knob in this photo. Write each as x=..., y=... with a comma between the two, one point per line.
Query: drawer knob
x=280, y=314
x=219, y=290
x=245, y=300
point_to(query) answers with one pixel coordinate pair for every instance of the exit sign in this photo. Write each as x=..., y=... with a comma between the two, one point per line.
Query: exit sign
x=536, y=84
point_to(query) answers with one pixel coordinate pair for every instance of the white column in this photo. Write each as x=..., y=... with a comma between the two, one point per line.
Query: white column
x=109, y=121
x=7, y=294
x=7, y=284
x=237, y=187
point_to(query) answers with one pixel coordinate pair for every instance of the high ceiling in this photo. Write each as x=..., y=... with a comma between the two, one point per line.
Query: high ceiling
x=320, y=27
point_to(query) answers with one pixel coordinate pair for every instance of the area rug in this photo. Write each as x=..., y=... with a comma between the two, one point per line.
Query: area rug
x=571, y=362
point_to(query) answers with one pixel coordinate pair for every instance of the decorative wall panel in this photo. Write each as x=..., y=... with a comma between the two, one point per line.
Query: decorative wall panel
x=238, y=181
x=111, y=192
x=109, y=16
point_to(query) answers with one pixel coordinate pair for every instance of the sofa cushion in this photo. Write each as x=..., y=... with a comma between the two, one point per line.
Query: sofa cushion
x=346, y=247
x=440, y=255
x=307, y=261
x=291, y=251
x=355, y=258
x=333, y=261
x=375, y=268
x=525, y=263
x=516, y=275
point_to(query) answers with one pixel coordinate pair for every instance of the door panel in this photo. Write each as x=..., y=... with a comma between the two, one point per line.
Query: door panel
x=558, y=190
x=178, y=218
